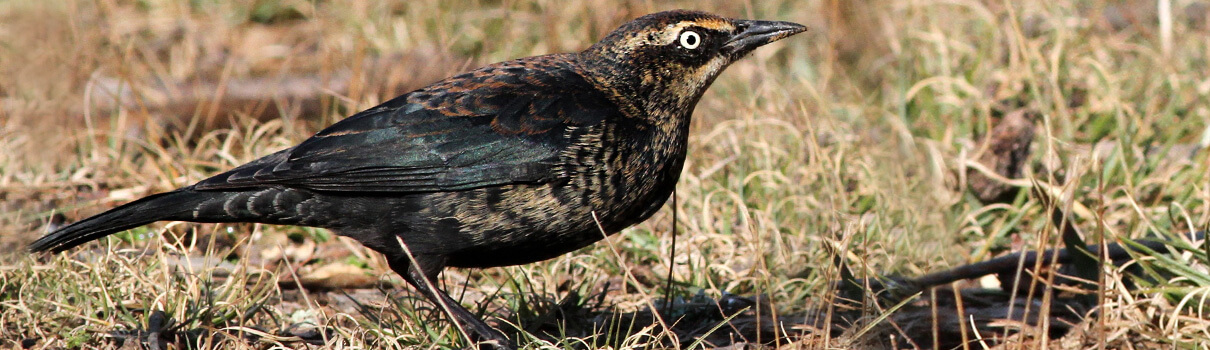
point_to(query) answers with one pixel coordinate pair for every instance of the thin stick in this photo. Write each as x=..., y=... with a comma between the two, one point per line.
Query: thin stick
x=434, y=291
x=671, y=256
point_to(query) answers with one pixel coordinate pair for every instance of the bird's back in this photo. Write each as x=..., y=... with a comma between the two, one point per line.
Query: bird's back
x=511, y=163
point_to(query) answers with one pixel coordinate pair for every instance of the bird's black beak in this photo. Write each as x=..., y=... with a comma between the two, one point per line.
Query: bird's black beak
x=750, y=35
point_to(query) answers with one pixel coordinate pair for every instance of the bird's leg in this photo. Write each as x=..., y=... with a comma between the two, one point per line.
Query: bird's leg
x=424, y=278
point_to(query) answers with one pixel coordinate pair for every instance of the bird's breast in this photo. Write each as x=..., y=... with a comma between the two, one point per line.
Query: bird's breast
x=624, y=173
x=610, y=177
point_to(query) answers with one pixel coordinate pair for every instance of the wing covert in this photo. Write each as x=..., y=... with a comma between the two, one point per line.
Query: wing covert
x=439, y=139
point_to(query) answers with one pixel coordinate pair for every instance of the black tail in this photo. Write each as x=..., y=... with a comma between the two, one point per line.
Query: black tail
x=175, y=205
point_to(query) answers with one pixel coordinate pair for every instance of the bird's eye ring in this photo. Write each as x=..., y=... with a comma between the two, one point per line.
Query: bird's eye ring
x=690, y=40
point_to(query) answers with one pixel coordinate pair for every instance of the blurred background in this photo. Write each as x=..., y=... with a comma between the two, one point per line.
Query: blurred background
x=895, y=136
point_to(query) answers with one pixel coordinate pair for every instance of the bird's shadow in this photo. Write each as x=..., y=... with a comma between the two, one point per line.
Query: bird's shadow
x=570, y=320
x=941, y=317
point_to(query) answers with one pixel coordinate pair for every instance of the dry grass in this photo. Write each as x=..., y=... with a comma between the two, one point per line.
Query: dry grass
x=851, y=141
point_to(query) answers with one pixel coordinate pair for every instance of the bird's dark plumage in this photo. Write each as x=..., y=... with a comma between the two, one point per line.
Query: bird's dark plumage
x=512, y=163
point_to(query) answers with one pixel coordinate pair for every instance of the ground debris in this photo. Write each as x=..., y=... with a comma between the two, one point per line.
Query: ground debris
x=935, y=310
x=1005, y=151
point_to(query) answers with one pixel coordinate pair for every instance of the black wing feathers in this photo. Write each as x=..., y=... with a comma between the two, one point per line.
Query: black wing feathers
x=495, y=126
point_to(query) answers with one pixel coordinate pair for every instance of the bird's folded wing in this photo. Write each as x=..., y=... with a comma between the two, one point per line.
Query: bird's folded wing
x=409, y=147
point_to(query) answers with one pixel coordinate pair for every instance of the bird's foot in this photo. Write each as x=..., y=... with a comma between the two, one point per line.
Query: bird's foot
x=490, y=339
x=492, y=345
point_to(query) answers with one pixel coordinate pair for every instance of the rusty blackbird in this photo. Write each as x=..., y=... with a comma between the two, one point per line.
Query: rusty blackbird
x=511, y=163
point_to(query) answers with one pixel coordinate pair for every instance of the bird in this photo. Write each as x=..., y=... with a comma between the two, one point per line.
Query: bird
x=512, y=163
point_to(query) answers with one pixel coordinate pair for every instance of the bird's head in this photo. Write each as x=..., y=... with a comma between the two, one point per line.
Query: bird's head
x=668, y=59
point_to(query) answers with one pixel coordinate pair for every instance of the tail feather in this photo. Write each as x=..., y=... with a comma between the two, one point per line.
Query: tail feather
x=175, y=205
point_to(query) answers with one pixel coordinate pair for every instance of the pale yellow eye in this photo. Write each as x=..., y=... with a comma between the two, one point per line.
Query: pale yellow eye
x=690, y=40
